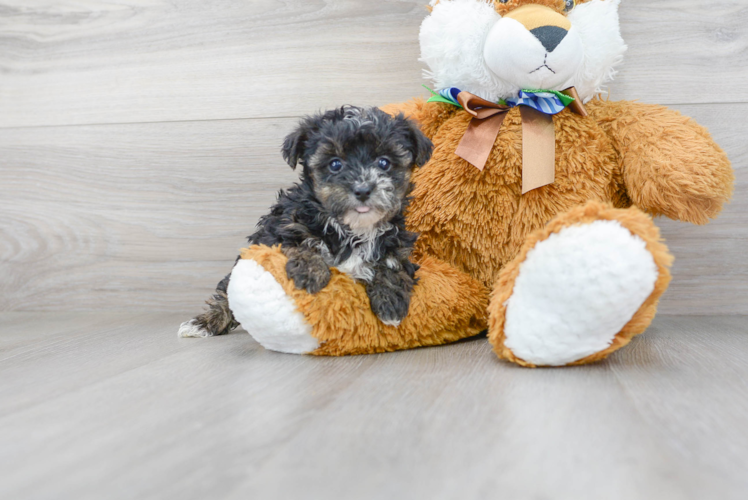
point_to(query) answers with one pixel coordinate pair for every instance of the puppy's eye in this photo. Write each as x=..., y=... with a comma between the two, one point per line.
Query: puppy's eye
x=384, y=163
x=335, y=166
x=569, y=5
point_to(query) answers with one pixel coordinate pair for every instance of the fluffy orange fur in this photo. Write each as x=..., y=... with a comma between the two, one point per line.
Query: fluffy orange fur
x=624, y=154
x=510, y=5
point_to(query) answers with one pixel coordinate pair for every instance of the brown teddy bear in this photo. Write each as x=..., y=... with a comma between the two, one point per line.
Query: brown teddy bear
x=531, y=211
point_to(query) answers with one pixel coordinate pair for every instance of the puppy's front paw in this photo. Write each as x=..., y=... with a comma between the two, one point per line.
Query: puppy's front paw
x=389, y=304
x=310, y=274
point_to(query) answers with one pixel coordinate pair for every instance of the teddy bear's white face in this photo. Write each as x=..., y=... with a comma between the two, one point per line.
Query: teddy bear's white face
x=467, y=44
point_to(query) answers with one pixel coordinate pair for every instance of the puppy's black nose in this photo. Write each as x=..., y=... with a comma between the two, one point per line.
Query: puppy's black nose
x=362, y=191
x=549, y=36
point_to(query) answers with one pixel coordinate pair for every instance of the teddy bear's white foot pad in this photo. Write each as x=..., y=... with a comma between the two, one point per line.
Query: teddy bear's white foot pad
x=262, y=307
x=575, y=291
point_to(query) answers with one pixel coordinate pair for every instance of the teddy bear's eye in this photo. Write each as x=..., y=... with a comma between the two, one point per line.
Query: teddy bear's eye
x=503, y=1
x=569, y=5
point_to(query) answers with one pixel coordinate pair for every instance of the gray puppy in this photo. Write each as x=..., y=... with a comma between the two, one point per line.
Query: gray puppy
x=347, y=211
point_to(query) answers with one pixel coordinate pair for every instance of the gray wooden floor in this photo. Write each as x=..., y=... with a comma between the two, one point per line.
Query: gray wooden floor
x=114, y=406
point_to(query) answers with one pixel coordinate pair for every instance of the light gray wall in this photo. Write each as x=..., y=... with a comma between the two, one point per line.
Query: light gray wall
x=139, y=140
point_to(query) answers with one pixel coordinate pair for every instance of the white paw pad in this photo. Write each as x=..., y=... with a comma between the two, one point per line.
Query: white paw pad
x=190, y=329
x=575, y=291
x=270, y=316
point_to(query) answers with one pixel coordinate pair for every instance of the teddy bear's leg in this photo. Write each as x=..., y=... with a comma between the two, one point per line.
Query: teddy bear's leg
x=580, y=288
x=446, y=305
x=269, y=315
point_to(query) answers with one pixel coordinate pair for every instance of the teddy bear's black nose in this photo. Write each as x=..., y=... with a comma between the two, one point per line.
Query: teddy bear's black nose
x=549, y=36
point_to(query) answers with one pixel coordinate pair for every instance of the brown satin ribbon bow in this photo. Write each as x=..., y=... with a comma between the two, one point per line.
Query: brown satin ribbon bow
x=538, y=137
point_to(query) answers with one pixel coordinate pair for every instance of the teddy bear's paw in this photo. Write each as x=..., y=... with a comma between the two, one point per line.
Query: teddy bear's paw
x=268, y=314
x=574, y=293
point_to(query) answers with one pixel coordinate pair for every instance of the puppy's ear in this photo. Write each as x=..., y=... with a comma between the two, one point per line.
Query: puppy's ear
x=293, y=146
x=295, y=143
x=420, y=146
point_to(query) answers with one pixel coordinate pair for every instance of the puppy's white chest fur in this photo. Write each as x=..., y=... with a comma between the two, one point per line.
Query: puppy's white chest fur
x=364, y=244
x=356, y=266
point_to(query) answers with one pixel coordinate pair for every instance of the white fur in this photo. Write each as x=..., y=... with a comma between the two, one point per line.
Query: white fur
x=575, y=291
x=190, y=329
x=514, y=55
x=393, y=263
x=599, y=29
x=359, y=221
x=468, y=45
x=452, y=40
x=262, y=307
x=356, y=267
x=364, y=239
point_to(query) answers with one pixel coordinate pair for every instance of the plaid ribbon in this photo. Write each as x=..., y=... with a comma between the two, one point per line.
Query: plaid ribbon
x=549, y=102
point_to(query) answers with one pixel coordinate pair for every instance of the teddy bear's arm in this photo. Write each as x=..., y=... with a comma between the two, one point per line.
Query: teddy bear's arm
x=670, y=164
x=430, y=116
